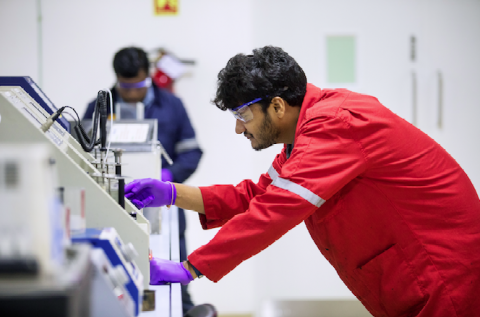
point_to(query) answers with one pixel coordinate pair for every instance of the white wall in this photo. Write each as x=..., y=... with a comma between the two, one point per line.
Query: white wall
x=80, y=38
x=18, y=38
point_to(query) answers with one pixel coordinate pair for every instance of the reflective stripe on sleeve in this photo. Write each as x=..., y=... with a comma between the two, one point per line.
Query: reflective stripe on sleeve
x=273, y=173
x=294, y=188
x=186, y=145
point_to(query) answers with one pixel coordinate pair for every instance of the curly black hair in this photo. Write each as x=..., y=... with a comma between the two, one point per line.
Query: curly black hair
x=128, y=61
x=268, y=73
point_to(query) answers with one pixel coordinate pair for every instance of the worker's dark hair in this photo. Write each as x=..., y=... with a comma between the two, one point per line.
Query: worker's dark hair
x=270, y=71
x=128, y=62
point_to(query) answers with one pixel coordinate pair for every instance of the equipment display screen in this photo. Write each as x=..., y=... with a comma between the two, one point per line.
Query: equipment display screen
x=129, y=133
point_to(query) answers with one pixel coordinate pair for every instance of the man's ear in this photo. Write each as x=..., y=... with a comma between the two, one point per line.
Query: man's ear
x=279, y=107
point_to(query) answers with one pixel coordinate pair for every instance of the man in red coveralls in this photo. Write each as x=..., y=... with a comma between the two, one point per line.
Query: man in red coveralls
x=388, y=207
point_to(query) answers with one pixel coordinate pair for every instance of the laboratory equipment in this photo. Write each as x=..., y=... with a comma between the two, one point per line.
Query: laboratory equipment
x=128, y=110
x=32, y=226
x=139, y=157
x=32, y=89
x=66, y=293
x=121, y=257
x=21, y=120
x=40, y=273
x=74, y=203
x=108, y=296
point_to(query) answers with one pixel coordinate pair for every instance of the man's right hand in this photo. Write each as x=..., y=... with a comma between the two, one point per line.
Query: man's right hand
x=149, y=192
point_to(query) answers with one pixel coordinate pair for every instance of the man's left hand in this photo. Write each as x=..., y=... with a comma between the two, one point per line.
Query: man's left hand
x=165, y=271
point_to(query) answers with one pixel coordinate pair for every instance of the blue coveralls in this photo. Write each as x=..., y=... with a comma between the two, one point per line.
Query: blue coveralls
x=177, y=136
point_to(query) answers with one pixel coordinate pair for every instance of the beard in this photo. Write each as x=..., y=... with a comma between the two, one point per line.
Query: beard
x=267, y=135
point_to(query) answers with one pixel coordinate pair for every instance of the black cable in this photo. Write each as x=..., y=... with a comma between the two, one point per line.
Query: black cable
x=86, y=142
x=80, y=128
x=79, y=125
x=71, y=116
x=103, y=104
x=78, y=121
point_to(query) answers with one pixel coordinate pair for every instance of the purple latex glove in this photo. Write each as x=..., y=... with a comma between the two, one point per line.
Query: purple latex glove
x=167, y=176
x=141, y=200
x=165, y=271
x=149, y=192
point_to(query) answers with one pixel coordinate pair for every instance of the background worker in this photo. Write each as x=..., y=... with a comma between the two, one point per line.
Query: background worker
x=175, y=132
x=388, y=207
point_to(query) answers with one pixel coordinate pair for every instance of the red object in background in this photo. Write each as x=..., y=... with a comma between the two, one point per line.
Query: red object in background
x=162, y=80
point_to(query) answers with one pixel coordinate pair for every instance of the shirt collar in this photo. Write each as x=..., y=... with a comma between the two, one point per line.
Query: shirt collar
x=147, y=100
x=149, y=97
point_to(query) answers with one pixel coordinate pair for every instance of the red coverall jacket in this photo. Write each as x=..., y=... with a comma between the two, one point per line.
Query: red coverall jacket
x=388, y=207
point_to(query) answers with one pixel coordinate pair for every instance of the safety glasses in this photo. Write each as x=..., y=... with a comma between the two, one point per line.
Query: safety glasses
x=141, y=84
x=243, y=112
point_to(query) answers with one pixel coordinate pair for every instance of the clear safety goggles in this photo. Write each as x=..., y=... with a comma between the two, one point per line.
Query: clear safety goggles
x=243, y=112
x=141, y=84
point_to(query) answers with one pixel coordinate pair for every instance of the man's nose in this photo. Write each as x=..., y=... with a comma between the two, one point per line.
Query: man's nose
x=239, y=127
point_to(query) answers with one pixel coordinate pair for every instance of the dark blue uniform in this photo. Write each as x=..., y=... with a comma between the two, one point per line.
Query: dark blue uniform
x=175, y=132
x=177, y=136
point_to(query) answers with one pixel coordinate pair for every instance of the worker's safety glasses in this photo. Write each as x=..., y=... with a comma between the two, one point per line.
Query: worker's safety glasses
x=141, y=84
x=243, y=112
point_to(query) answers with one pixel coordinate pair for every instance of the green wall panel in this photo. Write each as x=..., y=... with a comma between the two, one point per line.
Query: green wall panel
x=341, y=59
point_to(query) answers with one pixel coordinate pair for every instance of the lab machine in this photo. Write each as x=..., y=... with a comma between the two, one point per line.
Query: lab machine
x=138, y=150
x=41, y=272
x=124, y=270
x=21, y=120
x=90, y=184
